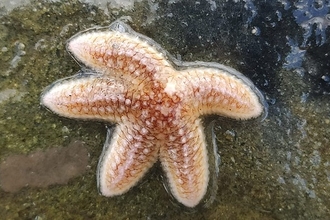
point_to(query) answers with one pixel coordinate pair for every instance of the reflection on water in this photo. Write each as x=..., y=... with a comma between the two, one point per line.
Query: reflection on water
x=313, y=16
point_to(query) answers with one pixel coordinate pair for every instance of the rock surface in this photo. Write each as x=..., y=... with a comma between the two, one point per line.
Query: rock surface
x=43, y=168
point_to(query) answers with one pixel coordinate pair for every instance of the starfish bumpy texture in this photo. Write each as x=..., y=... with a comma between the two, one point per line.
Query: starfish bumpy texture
x=155, y=102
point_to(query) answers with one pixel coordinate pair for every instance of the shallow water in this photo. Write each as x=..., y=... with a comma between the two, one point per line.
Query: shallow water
x=275, y=169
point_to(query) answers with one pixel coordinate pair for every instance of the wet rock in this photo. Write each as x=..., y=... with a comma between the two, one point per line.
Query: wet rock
x=43, y=168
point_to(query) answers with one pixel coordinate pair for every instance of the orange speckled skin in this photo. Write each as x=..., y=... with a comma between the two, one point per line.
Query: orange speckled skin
x=156, y=102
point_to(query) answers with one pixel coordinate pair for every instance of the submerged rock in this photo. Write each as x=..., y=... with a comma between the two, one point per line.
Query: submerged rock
x=43, y=168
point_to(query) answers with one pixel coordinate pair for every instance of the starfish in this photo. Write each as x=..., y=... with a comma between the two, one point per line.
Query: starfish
x=156, y=103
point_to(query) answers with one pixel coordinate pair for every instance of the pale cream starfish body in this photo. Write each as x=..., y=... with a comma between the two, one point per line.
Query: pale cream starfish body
x=156, y=104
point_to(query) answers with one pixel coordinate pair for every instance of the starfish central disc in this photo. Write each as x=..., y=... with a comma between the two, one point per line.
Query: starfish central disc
x=156, y=103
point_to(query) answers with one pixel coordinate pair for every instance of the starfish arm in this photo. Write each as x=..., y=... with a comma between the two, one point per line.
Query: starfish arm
x=218, y=91
x=126, y=157
x=185, y=162
x=131, y=55
x=87, y=97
